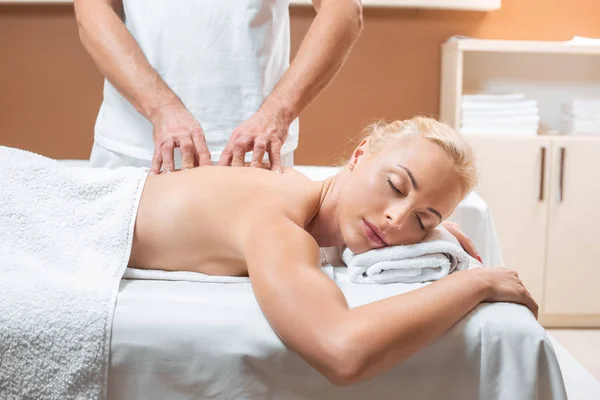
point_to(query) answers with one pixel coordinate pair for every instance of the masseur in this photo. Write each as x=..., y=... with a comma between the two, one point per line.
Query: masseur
x=209, y=77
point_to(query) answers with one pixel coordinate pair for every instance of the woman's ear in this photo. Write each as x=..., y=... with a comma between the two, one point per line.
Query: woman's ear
x=360, y=150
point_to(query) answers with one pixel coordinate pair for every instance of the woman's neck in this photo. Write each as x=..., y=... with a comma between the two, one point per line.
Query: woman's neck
x=325, y=225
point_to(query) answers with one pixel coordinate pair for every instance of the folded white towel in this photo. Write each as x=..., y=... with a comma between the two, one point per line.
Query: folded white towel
x=64, y=244
x=438, y=255
x=500, y=112
x=490, y=105
x=493, y=97
x=582, y=107
x=501, y=120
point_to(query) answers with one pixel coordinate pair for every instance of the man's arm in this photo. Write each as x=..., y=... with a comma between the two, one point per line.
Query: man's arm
x=310, y=314
x=322, y=53
x=120, y=59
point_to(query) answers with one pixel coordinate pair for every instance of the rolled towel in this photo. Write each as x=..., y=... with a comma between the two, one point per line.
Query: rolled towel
x=438, y=255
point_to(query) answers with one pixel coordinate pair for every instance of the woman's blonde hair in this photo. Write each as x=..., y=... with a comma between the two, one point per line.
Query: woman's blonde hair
x=381, y=134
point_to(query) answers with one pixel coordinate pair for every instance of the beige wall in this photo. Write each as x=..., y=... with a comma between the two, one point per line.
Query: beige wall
x=50, y=89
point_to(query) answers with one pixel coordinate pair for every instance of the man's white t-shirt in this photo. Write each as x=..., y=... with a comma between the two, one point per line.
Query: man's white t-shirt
x=221, y=57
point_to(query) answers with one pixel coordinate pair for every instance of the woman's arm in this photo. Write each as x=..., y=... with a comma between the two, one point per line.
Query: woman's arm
x=310, y=314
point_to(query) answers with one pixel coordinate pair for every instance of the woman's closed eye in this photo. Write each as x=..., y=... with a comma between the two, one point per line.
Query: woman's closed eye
x=394, y=188
x=417, y=217
x=420, y=222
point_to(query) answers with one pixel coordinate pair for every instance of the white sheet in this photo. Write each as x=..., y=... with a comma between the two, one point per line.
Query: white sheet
x=184, y=340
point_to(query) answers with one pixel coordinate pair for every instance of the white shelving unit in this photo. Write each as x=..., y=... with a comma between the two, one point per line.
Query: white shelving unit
x=549, y=72
x=473, y=5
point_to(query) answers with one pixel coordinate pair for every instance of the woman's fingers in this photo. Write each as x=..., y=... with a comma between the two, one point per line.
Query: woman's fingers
x=463, y=239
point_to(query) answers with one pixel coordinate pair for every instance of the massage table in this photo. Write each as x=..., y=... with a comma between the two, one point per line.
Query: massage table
x=191, y=340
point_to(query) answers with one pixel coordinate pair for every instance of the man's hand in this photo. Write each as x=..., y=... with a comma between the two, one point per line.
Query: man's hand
x=176, y=127
x=264, y=131
x=464, y=241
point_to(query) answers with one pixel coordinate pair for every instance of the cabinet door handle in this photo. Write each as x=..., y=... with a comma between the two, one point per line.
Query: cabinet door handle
x=561, y=175
x=542, y=172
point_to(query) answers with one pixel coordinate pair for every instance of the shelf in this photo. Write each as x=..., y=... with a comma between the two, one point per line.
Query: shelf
x=551, y=73
x=472, y=5
x=518, y=46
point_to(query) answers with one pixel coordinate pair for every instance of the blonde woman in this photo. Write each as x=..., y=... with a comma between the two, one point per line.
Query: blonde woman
x=402, y=181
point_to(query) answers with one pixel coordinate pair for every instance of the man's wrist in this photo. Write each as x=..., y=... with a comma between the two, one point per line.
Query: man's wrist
x=158, y=112
x=279, y=109
x=162, y=106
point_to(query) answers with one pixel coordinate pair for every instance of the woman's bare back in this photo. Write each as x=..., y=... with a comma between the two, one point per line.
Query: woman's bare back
x=198, y=220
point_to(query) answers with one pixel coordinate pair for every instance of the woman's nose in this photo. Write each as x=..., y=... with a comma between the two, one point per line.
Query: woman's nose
x=396, y=217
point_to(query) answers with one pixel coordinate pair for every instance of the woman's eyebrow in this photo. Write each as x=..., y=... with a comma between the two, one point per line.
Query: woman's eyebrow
x=436, y=212
x=410, y=175
x=414, y=183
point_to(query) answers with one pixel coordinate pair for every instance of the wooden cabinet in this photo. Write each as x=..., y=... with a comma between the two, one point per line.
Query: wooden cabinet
x=572, y=284
x=544, y=195
x=513, y=176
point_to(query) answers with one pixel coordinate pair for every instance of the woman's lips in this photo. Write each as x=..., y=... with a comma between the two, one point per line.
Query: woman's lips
x=371, y=233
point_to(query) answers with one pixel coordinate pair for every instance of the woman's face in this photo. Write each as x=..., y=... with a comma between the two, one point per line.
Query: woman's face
x=397, y=195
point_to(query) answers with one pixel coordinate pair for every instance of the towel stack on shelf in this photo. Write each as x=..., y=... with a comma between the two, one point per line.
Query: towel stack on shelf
x=581, y=116
x=499, y=114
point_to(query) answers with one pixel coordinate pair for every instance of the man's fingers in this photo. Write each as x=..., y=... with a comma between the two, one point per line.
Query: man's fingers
x=187, y=153
x=156, y=161
x=239, y=151
x=258, y=153
x=202, y=152
x=167, y=149
x=275, y=156
x=226, y=155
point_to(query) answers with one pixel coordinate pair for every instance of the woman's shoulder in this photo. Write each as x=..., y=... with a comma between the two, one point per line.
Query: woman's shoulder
x=291, y=195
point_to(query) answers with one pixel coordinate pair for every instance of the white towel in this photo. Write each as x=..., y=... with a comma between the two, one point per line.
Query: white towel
x=64, y=244
x=160, y=275
x=490, y=105
x=435, y=257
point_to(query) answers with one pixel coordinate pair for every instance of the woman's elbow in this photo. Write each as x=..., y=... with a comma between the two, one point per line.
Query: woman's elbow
x=344, y=375
x=344, y=363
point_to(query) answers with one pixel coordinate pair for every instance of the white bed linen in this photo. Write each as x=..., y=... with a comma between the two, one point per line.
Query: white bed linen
x=184, y=340
x=189, y=340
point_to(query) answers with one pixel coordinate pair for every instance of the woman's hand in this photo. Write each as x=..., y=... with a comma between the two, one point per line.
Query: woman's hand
x=463, y=239
x=505, y=286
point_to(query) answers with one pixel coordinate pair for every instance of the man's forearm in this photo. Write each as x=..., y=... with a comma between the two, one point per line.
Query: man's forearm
x=323, y=51
x=120, y=59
